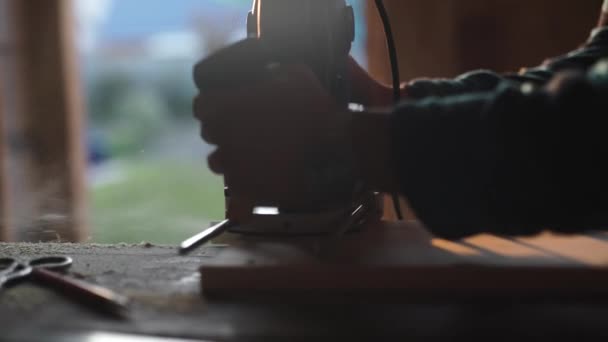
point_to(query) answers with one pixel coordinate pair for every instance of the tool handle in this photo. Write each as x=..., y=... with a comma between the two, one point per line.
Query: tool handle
x=204, y=237
x=92, y=296
x=245, y=62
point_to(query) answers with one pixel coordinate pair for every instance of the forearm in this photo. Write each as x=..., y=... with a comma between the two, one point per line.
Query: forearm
x=444, y=161
x=503, y=162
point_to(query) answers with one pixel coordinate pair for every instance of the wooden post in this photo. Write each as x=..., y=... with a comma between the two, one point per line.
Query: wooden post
x=4, y=45
x=4, y=219
x=51, y=119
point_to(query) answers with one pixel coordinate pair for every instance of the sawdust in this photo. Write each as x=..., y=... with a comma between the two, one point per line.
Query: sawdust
x=25, y=298
x=16, y=249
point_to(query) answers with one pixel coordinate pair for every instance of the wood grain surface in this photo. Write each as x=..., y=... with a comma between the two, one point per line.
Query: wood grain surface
x=166, y=301
x=404, y=256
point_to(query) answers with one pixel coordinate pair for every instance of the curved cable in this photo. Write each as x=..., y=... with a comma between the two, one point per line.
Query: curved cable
x=392, y=52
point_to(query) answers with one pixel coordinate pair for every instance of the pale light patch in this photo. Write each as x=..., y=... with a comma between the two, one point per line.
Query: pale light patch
x=266, y=211
x=527, y=88
x=90, y=16
x=601, y=68
x=453, y=247
x=355, y=107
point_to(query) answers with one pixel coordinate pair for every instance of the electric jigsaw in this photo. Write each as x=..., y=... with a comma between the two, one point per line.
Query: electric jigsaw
x=319, y=34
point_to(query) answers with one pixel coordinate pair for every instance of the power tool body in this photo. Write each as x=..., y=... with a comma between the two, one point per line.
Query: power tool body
x=319, y=34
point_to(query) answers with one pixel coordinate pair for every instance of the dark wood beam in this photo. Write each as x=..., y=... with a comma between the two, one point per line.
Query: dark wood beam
x=4, y=218
x=443, y=38
x=5, y=44
x=51, y=120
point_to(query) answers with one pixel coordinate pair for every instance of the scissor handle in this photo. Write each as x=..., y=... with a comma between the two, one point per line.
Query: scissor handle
x=8, y=268
x=8, y=265
x=54, y=263
x=11, y=270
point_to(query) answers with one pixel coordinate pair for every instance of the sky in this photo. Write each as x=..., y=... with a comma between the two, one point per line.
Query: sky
x=134, y=18
x=103, y=20
x=90, y=16
x=125, y=19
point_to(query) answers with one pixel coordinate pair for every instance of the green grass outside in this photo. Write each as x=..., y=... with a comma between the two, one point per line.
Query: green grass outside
x=155, y=201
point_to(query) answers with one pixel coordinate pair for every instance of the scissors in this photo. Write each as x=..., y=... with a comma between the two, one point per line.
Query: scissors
x=11, y=270
x=43, y=270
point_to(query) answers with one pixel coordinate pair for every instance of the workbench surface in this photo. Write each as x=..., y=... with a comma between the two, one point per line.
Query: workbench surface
x=165, y=289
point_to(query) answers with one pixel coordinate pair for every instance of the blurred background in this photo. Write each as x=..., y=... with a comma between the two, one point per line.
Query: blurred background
x=97, y=139
x=144, y=145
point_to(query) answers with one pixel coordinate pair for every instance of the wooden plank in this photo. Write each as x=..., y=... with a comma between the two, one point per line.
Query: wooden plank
x=405, y=257
x=438, y=283
x=51, y=120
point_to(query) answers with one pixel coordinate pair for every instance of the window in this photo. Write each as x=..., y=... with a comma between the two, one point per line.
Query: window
x=147, y=173
x=103, y=147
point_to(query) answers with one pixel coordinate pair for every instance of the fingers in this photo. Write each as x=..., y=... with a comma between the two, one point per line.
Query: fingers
x=366, y=90
x=231, y=66
x=198, y=111
x=235, y=117
x=215, y=162
x=219, y=65
x=212, y=117
x=196, y=107
x=245, y=62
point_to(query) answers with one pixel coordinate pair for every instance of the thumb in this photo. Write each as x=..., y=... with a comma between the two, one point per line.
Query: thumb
x=366, y=90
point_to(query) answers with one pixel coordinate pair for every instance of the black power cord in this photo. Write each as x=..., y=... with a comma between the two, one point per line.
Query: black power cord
x=392, y=52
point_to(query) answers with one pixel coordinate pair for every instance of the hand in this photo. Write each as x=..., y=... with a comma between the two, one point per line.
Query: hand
x=366, y=90
x=268, y=134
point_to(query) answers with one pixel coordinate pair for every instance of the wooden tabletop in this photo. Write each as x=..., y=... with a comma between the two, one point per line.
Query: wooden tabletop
x=167, y=300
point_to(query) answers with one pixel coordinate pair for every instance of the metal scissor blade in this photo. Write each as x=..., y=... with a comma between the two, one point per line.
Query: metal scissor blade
x=12, y=270
x=3, y=281
x=7, y=266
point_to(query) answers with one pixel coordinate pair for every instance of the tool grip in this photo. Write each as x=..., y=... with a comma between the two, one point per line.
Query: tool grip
x=241, y=63
x=204, y=237
x=92, y=296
